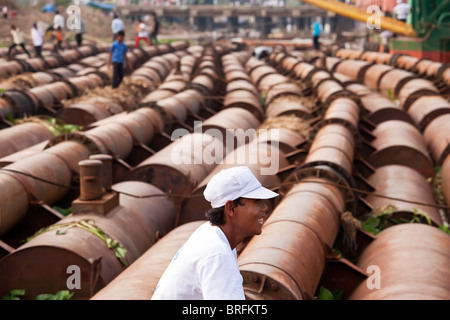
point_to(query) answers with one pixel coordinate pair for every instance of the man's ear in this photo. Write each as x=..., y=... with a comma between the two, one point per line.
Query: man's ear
x=229, y=208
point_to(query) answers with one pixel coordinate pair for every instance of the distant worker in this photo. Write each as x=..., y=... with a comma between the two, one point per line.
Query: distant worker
x=79, y=33
x=154, y=29
x=142, y=33
x=118, y=58
x=316, y=31
x=58, y=39
x=18, y=40
x=401, y=10
x=205, y=267
x=5, y=12
x=386, y=35
x=37, y=38
x=116, y=26
x=58, y=21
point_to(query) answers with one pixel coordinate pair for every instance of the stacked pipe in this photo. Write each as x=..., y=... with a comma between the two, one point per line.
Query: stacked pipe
x=17, y=66
x=401, y=157
x=396, y=134
x=413, y=260
x=73, y=80
x=52, y=91
x=432, y=70
x=427, y=110
x=58, y=162
x=135, y=224
x=102, y=105
x=115, y=136
x=82, y=113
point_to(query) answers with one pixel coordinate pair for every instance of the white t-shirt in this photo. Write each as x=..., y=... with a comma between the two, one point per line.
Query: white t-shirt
x=205, y=268
x=117, y=25
x=402, y=10
x=17, y=36
x=36, y=36
x=58, y=21
x=142, y=30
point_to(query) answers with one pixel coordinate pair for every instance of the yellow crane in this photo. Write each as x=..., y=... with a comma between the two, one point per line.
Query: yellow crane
x=356, y=13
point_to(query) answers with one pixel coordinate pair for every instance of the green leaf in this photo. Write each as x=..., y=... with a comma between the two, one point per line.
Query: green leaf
x=14, y=294
x=10, y=118
x=325, y=294
x=60, y=295
x=338, y=294
x=445, y=227
x=64, y=212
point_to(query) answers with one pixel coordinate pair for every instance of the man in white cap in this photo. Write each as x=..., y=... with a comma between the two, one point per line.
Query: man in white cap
x=205, y=267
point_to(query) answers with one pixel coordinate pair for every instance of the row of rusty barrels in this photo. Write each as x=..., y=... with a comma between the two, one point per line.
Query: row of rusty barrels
x=48, y=86
x=421, y=109
x=401, y=173
x=17, y=66
x=425, y=68
x=116, y=137
x=83, y=111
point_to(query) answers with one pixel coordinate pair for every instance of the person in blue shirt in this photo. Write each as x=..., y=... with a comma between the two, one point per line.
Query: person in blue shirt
x=118, y=57
x=316, y=31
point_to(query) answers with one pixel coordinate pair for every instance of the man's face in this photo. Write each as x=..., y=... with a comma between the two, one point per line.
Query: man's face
x=250, y=216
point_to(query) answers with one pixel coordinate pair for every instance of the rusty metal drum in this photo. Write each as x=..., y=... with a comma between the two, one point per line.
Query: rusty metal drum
x=398, y=142
x=404, y=183
x=135, y=224
x=180, y=166
x=437, y=138
x=405, y=254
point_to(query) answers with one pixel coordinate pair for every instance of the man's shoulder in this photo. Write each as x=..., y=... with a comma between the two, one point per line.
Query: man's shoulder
x=210, y=238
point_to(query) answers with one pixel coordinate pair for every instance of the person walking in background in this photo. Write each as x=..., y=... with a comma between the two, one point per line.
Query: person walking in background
x=154, y=29
x=401, y=10
x=142, y=33
x=79, y=33
x=316, y=31
x=37, y=38
x=59, y=39
x=58, y=21
x=116, y=26
x=18, y=40
x=118, y=57
x=5, y=12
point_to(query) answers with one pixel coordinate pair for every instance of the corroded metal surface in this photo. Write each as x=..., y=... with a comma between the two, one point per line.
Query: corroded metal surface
x=134, y=224
x=398, y=142
x=402, y=182
x=405, y=254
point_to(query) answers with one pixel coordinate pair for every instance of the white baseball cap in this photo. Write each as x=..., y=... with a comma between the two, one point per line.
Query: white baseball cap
x=233, y=183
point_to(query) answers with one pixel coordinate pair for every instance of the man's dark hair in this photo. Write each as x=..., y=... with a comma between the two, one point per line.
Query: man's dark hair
x=215, y=215
x=121, y=33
